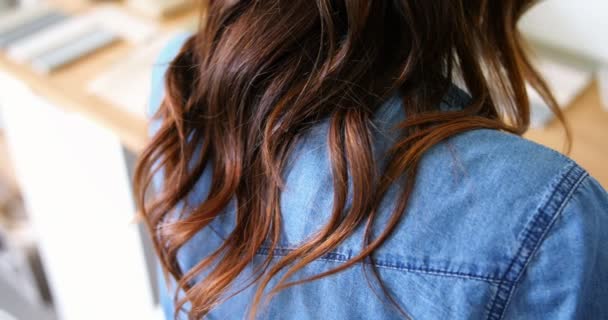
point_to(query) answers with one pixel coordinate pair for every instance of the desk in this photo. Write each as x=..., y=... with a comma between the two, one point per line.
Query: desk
x=66, y=88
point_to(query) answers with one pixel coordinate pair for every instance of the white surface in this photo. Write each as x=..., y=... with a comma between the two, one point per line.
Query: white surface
x=74, y=180
x=127, y=83
x=159, y=8
x=577, y=25
x=5, y=316
x=131, y=28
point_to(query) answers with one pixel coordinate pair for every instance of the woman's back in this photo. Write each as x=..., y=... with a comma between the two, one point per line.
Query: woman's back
x=314, y=160
x=497, y=227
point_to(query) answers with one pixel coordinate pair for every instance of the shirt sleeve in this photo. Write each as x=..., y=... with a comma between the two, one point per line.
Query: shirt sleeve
x=157, y=89
x=159, y=69
x=568, y=276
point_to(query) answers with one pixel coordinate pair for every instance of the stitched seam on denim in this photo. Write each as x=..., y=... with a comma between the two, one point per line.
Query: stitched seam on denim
x=534, y=234
x=532, y=238
x=496, y=307
x=340, y=257
x=583, y=175
x=217, y=233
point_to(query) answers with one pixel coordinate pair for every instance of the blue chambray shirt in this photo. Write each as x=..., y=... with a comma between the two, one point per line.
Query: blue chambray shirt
x=498, y=227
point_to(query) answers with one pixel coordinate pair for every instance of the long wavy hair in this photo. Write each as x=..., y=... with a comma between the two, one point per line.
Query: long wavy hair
x=245, y=87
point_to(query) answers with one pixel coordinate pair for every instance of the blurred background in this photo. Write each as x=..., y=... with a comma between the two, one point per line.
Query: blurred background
x=74, y=82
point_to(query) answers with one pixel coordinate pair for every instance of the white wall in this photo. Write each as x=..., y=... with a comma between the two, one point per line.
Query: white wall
x=77, y=193
x=580, y=26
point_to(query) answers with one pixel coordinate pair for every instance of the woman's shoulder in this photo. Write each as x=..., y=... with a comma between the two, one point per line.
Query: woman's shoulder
x=551, y=214
x=508, y=179
x=494, y=207
x=510, y=164
x=500, y=153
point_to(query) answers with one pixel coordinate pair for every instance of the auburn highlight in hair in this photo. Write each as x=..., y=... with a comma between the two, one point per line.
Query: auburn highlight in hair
x=259, y=73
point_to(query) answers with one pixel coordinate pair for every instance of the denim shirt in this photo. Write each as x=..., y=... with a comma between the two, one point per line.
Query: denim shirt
x=497, y=227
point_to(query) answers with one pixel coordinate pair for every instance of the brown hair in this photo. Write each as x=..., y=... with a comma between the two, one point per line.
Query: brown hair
x=243, y=89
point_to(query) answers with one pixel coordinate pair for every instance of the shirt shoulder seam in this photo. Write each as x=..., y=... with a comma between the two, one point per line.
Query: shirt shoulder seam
x=343, y=257
x=533, y=235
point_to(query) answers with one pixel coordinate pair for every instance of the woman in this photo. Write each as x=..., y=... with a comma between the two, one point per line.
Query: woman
x=316, y=160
